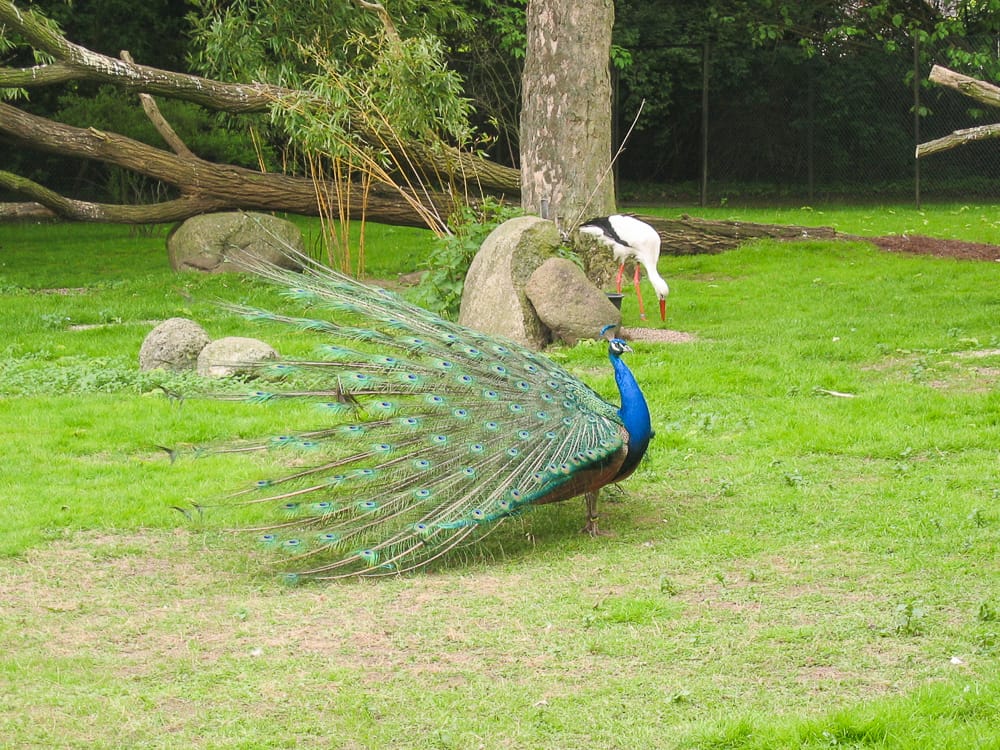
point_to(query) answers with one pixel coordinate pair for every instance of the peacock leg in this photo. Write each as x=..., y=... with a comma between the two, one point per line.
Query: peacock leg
x=618, y=278
x=638, y=293
x=591, y=526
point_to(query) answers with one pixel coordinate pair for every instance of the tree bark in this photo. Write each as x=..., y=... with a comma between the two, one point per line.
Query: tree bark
x=566, y=111
x=982, y=92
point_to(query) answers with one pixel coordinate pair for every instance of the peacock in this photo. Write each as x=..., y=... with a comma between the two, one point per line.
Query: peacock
x=431, y=433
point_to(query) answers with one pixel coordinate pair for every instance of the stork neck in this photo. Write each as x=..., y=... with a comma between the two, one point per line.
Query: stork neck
x=658, y=282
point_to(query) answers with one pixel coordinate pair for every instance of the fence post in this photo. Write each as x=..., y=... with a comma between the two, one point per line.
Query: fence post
x=916, y=118
x=810, y=132
x=704, y=124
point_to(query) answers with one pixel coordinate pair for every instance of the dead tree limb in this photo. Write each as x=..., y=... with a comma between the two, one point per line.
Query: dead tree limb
x=204, y=185
x=982, y=92
x=159, y=122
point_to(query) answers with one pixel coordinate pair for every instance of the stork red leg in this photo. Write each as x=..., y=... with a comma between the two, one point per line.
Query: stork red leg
x=618, y=278
x=638, y=293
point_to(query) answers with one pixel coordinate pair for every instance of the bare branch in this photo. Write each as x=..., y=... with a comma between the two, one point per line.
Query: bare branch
x=959, y=138
x=68, y=208
x=39, y=75
x=25, y=212
x=981, y=91
x=159, y=121
x=383, y=14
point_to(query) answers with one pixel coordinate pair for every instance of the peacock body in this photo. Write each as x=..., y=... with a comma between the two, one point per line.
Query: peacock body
x=434, y=433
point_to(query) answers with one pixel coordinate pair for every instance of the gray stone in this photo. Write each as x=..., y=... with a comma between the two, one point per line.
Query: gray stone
x=233, y=355
x=210, y=242
x=568, y=303
x=173, y=345
x=493, y=300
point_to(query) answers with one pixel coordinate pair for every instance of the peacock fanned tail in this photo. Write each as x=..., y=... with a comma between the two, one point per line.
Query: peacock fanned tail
x=432, y=433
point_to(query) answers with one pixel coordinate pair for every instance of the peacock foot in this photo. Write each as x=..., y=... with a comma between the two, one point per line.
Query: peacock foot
x=591, y=528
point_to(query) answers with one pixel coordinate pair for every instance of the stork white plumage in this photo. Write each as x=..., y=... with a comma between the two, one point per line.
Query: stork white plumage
x=629, y=237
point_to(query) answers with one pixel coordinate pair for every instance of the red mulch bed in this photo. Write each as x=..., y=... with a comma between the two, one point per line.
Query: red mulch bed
x=915, y=243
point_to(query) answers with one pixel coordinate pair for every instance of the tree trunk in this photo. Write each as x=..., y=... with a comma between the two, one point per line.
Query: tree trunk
x=566, y=111
x=690, y=236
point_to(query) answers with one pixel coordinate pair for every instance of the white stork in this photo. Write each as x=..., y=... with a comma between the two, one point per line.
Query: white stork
x=628, y=237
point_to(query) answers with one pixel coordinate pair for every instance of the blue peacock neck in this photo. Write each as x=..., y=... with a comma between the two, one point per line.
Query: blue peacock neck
x=634, y=413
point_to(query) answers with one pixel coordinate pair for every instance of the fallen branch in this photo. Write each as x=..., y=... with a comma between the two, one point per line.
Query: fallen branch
x=982, y=92
x=959, y=138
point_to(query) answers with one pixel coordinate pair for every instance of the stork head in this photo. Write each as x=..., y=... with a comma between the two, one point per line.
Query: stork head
x=662, y=290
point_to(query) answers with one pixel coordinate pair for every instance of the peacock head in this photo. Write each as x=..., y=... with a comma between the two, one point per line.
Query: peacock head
x=616, y=346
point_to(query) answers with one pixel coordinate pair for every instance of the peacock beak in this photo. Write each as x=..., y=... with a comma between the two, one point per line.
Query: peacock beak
x=663, y=310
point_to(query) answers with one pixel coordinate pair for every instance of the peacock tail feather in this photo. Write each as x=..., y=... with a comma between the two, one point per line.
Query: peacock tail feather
x=432, y=433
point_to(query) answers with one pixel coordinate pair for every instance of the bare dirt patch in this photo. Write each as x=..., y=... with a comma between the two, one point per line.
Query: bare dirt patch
x=65, y=291
x=920, y=245
x=658, y=335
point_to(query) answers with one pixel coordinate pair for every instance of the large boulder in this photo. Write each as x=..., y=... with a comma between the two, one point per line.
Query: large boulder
x=568, y=303
x=209, y=243
x=494, y=300
x=173, y=345
x=234, y=355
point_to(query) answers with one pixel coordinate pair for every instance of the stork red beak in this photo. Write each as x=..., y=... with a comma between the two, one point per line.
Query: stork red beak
x=663, y=310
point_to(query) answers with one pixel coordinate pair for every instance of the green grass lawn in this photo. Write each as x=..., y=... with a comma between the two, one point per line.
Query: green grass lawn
x=809, y=556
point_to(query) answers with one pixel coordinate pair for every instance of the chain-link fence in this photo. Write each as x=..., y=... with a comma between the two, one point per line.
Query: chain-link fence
x=838, y=128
